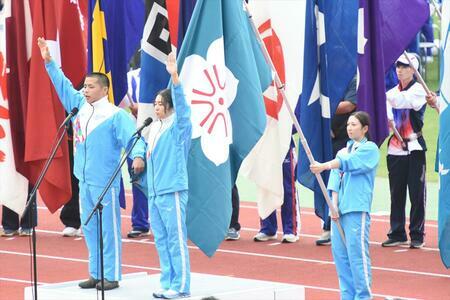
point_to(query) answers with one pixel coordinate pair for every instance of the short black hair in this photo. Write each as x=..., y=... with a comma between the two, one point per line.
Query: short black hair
x=102, y=79
x=166, y=96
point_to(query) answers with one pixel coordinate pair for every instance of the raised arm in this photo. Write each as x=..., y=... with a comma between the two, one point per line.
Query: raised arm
x=68, y=95
x=182, y=109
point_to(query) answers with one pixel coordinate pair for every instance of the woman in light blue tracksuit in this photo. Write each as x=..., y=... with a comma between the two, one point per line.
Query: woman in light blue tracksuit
x=169, y=140
x=351, y=184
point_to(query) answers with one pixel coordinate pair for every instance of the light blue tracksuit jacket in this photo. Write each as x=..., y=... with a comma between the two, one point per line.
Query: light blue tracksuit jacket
x=168, y=146
x=101, y=132
x=354, y=182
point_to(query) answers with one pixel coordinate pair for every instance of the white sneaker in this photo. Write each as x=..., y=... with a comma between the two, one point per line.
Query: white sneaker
x=71, y=232
x=171, y=294
x=289, y=238
x=159, y=294
x=262, y=237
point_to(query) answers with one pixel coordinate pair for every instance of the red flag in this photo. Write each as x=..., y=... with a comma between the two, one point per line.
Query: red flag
x=72, y=39
x=18, y=27
x=13, y=186
x=45, y=112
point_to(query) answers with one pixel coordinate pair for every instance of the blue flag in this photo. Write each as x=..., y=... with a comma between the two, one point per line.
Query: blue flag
x=184, y=16
x=386, y=28
x=224, y=75
x=156, y=45
x=329, y=66
x=444, y=140
x=115, y=28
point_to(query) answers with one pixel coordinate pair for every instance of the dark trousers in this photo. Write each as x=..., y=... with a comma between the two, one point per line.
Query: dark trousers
x=70, y=213
x=289, y=206
x=235, y=205
x=407, y=173
x=12, y=221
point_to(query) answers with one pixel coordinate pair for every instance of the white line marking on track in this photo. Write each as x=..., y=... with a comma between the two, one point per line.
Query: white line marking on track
x=20, y=281
x=325, y=262
x=274, y=244
x=72, y=259
x=401, y=250
x=427, y=224
x=156, y=269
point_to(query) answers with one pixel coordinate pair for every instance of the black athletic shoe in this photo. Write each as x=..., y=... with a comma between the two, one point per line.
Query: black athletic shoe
x=392, y=243
x=107, y=285
x=89, y=284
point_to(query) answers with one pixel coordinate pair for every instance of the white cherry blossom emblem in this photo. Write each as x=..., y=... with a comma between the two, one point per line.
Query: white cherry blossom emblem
x=210, y=89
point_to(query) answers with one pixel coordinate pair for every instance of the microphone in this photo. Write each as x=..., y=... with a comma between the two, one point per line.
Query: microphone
x=69, y=116
x=147, y=122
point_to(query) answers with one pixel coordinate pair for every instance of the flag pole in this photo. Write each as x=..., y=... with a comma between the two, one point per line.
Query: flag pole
x=280, y=87
x=419, y=77
x=436, y=8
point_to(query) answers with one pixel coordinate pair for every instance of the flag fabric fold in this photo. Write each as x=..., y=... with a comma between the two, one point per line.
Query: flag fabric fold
x=224, y=75
x=278, y=24
x=444, y=139
x=115, y=28
x=45, y=112
x=329, y=66
x=13, y=185
x=385, y=29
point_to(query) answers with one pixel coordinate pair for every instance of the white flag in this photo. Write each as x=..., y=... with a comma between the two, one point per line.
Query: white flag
x=281, y=26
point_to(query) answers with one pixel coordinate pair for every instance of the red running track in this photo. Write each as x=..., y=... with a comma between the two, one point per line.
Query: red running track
x=398, y=272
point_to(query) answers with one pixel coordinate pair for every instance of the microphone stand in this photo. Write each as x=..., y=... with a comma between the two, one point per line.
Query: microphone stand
x=31, y=206
x=99, y=207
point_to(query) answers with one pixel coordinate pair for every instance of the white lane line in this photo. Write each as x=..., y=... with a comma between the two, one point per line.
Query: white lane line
x=284, y=258
x=154, y=269
x=303, y=212
x=311, y=213
x=312, y=236
x=72, y=259
x=20, y=281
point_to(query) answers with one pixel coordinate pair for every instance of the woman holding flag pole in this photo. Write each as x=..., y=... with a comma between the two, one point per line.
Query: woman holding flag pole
x=351, y=184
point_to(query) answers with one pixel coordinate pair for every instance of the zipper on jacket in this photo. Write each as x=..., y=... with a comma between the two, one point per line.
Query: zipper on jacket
x=151, y=158
x=85, y=144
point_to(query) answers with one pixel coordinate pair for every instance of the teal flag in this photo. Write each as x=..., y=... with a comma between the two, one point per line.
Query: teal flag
x=224, y=75
x=444, y=139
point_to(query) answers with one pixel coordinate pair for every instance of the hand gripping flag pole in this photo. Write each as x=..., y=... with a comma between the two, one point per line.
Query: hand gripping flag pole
x=280, y=87
x=419, y=77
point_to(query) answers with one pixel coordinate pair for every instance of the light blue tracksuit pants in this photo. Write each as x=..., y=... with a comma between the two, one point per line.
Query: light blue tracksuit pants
x=353, y=262
x=112, y=241
x=168, y=222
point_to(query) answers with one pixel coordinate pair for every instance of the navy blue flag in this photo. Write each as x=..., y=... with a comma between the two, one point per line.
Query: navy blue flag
x=329, y=66
x=115, y=30
x=386, y=27
x=184, y=16
x=156, y=45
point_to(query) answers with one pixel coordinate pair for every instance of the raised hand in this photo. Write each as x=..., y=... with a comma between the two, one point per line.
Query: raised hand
x=45, y=53
x=171, y=67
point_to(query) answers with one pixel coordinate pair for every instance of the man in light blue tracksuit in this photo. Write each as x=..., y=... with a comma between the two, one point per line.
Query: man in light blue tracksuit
x=101, y=131
x=168, y=141
x=351, y=183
